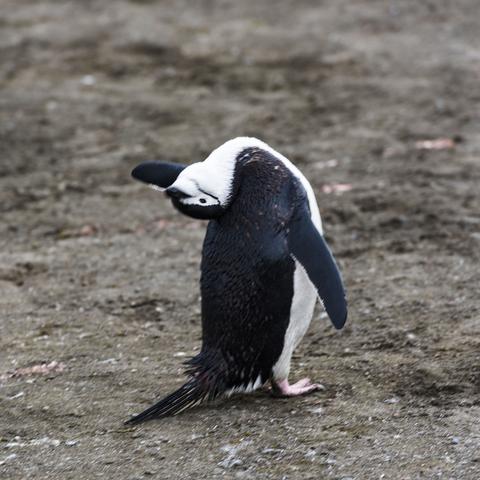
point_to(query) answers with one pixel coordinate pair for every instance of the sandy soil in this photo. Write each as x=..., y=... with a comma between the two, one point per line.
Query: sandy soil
x=100, y=274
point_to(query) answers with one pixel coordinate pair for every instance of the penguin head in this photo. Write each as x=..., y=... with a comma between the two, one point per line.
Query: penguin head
x=204, y=189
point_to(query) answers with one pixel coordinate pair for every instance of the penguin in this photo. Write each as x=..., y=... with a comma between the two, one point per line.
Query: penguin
x=264, y=264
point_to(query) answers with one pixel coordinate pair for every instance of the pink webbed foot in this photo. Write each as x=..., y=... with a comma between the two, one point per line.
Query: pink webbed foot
x=302, y=387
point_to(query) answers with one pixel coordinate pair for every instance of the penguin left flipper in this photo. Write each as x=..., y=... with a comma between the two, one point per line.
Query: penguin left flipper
x=309, y=248
x=159, y=174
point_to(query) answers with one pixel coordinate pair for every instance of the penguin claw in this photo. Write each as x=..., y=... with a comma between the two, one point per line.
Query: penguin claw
x=302, y=387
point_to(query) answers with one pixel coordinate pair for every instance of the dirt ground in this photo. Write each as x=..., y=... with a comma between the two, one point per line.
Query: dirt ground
x=99, y=275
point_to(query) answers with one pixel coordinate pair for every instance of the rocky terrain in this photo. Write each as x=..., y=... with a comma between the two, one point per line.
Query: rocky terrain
x=376, y=101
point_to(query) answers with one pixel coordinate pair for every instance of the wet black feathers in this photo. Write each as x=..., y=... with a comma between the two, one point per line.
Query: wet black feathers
x=190, y=394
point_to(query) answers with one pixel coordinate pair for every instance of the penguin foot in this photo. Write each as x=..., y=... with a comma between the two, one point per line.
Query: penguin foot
x=302, y=387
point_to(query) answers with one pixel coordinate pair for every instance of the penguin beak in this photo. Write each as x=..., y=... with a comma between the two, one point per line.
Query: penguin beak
x=159, y=174
x=176, y=193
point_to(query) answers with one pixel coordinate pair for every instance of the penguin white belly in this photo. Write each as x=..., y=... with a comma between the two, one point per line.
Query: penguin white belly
x=304, y=292
x=303, y=303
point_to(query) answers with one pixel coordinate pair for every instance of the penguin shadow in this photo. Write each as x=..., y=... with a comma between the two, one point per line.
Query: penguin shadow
x=264, y=400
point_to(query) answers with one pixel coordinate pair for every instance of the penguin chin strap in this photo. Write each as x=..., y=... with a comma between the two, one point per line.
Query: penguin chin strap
x=302, y=387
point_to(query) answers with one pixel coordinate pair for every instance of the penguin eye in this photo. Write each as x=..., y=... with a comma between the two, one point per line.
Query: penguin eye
x=202, y=200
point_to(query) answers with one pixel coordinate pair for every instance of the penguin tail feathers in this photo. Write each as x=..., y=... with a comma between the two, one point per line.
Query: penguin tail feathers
x=188, y=395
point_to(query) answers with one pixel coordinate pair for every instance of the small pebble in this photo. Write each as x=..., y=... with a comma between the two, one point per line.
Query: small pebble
x=88, y=80
x=391, y=400
x=18, y=395
x=311, y=454
x=12, y=456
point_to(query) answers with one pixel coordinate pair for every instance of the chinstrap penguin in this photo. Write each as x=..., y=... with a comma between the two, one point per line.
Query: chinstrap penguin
x=264, y=264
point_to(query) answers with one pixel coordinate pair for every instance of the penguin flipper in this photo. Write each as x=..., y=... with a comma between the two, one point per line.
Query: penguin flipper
x=160, y=174
x=190, y=394
x=309, y=248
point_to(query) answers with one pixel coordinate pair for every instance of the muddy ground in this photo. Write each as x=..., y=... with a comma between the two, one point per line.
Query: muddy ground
x=100, y=275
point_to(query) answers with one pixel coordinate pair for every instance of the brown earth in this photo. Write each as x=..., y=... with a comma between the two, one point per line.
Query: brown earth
x=100, y=274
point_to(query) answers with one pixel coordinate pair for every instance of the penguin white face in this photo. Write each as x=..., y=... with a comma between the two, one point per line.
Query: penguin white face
x=202, y=190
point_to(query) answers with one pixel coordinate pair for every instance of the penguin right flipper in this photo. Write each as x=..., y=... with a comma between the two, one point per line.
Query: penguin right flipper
x=159, y=174
x=309, y=248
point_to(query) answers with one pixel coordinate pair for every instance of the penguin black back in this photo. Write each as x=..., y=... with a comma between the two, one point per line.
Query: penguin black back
x=247, y=274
